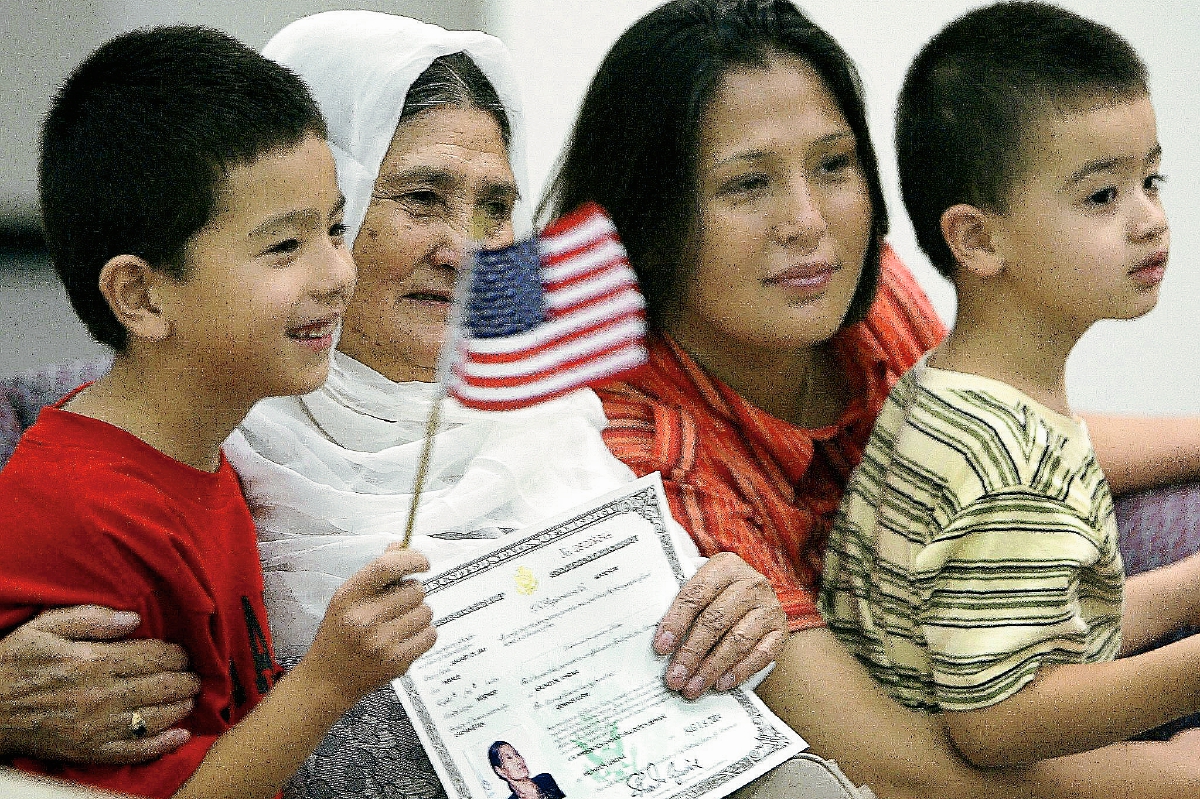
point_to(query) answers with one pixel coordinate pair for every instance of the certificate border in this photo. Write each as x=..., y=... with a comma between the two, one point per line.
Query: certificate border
x=770, y=740
x=644, y=502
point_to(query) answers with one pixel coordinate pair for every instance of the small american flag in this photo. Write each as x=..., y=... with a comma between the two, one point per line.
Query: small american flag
x=547, y=316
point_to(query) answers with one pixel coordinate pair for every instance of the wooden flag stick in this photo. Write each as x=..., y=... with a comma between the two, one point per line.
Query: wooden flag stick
x=435, y=416
x=462, y=288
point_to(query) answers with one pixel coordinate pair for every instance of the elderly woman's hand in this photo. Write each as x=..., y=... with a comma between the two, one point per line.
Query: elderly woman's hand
x=68, y=689
x=725, y=625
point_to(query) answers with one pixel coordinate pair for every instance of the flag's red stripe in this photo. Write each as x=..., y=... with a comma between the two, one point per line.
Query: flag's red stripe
x=574, y=335
x=515, y=403
x=617, y=262
x=587, y=302
x=534, y=377
x=567, y=301
x=561, y=363
x=579, y=215
x=605, y=369
x=556, y=258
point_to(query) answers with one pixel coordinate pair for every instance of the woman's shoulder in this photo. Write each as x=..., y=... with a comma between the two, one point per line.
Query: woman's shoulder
x=547, y=786
x=649, y=412
x=639, y=426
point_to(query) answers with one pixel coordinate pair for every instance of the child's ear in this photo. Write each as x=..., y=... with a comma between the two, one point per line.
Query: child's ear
x=969, y=234
x=131, y=288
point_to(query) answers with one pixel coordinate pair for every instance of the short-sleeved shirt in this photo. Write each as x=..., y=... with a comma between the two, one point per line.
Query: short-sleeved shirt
x=92, y=514
x=976, y=542
x=743, y=481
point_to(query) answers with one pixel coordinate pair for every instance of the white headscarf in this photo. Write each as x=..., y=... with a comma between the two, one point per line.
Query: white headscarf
x=359, y=66
x=329, y=475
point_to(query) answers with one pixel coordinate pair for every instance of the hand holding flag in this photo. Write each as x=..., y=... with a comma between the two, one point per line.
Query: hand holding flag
x=539, y=319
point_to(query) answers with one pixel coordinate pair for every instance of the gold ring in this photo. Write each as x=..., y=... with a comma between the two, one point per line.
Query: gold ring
x=137, y=725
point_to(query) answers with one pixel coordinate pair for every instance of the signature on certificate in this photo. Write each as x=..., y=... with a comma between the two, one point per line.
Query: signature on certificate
x=654, y=775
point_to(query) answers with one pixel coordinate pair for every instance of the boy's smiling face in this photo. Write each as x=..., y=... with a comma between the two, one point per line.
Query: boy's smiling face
x=267, y=278
x=1085, y=236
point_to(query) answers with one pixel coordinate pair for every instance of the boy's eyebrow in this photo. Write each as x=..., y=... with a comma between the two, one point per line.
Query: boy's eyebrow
x=293, y=218
x=1109, y=164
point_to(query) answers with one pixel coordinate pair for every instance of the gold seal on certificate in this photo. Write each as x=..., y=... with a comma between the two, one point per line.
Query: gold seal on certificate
x=543, y=681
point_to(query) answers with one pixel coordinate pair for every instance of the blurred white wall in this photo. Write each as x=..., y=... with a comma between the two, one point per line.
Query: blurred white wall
x=43, y=40
x=1147, y=365
x=1151, y=364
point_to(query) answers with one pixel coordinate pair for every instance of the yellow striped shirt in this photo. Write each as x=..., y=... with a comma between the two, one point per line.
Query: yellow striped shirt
x=975, y=542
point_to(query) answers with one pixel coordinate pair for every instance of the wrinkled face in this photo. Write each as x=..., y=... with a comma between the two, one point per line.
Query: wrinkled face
x=512, y=766
x=445, y=168
x=785, y=216
x=268, y=277
x=1085, y=236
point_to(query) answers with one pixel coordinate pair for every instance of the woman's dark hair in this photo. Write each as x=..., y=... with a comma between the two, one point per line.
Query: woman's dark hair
x=635, y=147
x=494, y=752
x=455, y=80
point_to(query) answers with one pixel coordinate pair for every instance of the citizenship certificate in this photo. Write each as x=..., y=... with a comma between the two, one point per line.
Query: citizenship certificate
x=543, y=669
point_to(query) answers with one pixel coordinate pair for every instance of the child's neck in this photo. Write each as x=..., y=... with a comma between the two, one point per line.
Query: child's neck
x=163, y=408
x=1027, y=354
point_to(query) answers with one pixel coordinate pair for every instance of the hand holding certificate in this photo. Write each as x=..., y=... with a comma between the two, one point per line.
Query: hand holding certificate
x=543, y=681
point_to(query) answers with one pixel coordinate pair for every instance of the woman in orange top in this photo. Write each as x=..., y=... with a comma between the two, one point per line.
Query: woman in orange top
x=728, y=140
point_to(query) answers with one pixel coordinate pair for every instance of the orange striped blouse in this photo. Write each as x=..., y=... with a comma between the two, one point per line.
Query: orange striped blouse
x=741, y=480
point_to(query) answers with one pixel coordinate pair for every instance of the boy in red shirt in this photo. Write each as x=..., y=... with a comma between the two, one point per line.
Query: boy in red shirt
x=192, y=210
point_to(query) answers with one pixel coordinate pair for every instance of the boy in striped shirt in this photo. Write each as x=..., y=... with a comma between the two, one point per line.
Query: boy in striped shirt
x=974, y=566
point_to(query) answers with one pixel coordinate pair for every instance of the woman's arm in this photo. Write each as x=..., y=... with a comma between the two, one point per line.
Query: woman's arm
x=68, y=689
x=1076, y=707
x=1139, y=452
x=828, y=697
x=1159, y=602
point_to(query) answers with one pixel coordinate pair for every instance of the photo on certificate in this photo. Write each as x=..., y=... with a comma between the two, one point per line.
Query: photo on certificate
x=543, y=681
x=507, y=773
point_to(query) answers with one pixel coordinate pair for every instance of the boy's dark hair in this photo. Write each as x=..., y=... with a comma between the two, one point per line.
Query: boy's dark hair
x=635, y=147
x=456, y=80
x=138, y=143
x=976, y=93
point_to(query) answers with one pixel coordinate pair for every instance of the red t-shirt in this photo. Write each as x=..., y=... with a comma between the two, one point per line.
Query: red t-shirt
x=92, y=514
x=743, y=481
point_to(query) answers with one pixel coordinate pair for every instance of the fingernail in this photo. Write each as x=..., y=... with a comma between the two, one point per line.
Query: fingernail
x=694, y=688
x=664, y=642
x=726, y=682
x=676, y=675
x=126, y=617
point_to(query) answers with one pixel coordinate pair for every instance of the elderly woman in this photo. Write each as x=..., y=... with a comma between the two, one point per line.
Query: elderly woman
x=427, y=137
x=728, y=140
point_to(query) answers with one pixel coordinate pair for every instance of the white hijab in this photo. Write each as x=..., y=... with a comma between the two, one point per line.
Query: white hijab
x=359, y=66
x=329, y=475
